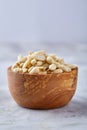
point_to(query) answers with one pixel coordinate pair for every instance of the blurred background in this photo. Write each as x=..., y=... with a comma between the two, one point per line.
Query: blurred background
x=57, y=26
x=43, y=21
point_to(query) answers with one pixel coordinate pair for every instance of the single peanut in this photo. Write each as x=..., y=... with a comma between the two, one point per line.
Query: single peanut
x=40, y=57
x=71, y=66
x=17, y=70
x=27, y=62
x=58, y=71
x=50, y=60
x=52, y=67
x=24, y=70
x=35, y=70
x=43, y=72
x=39, y=63
x=21, y=58
x=33, y=62
x=65, y=68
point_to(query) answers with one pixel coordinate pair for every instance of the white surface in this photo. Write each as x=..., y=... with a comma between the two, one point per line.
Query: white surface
x=71, y=117
x=43, y=20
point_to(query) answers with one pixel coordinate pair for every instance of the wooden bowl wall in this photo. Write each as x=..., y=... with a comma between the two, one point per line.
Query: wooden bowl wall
x=42, y=91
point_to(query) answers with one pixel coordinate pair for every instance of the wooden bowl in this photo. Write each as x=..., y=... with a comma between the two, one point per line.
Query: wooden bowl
x=42, y=91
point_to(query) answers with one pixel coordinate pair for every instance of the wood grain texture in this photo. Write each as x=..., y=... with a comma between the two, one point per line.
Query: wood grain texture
x=42, y=91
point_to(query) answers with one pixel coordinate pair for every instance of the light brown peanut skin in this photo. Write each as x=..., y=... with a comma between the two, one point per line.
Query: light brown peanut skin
x=42, y=91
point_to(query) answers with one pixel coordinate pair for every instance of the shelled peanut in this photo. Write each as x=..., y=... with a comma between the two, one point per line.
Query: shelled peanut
x=41, y=63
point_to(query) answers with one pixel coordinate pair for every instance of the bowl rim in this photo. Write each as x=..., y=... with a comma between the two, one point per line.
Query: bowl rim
x=9, y=70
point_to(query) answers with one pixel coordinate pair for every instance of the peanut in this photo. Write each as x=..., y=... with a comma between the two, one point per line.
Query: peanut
x=58, y=71
x=50, y=60
x=27, y=62
x=35, y=70
x=52, y=67
x=71, y=66
x=17, y=70
x=33, y=62
x=21, y=58
x=41, y=63
x=40, y=57
x=65, y=68
x=24, y=70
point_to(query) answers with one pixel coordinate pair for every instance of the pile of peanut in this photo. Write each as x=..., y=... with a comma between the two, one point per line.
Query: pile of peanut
x=41, y=63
